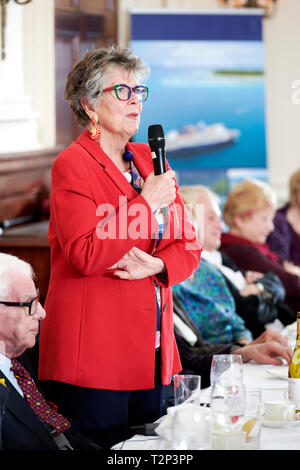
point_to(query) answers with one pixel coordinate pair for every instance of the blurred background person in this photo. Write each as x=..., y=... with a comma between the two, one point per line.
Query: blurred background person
x=285, y=238
x=196, y=354
x=208, y=302
x=106, y=351
x=258, y=297
x=248, y=213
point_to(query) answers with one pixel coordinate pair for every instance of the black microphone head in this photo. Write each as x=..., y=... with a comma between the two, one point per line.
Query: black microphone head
x=156, y=137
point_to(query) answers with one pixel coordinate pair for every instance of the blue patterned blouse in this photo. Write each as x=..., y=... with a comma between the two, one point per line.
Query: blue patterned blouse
x=210, y=305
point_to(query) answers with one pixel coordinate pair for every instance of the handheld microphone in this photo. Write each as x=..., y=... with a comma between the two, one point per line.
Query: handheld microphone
x=156, y=139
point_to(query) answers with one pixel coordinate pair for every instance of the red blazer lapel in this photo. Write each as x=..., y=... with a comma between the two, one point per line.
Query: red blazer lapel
x=107, y=164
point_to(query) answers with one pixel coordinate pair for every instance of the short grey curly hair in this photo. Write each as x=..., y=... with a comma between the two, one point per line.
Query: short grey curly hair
x=86, y=79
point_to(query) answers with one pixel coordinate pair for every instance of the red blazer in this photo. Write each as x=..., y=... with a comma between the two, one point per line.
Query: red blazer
x=100, y=331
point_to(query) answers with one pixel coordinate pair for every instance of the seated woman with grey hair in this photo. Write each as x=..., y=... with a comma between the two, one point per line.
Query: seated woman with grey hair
x=107, y=346
x=248, y=213
x=205, y=295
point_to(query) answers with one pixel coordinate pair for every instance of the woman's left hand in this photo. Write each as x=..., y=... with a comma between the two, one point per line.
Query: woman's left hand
x=249, y=289
x=137, y=264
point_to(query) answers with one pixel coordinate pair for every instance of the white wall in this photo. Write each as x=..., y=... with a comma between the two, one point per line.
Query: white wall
x=18, y=121
x=39, y=66
x=27, y=78
x=282, y=64
x=282, y=39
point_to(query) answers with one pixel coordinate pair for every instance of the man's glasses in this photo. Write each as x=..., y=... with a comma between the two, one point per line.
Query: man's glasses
x=31, y=304
x=123, y=92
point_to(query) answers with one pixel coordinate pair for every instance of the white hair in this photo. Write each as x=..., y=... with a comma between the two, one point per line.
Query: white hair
x=10, y=264
x=190, y=195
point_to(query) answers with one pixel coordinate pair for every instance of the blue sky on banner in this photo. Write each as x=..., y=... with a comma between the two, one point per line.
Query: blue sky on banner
x=206, y=55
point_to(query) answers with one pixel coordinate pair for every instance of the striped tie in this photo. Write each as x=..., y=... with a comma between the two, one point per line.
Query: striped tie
x=36, y=401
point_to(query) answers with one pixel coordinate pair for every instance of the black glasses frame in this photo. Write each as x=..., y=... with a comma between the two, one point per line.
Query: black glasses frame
x=23, y=304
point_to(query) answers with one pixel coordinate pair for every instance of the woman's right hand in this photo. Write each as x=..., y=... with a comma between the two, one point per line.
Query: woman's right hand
x=291, y=268
x=159, y=190
x=252, y=276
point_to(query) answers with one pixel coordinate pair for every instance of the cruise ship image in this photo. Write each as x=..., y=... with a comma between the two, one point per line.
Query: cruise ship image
x=200, y=138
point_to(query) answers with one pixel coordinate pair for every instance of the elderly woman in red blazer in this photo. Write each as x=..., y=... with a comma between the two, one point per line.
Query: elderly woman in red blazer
x=107, y=345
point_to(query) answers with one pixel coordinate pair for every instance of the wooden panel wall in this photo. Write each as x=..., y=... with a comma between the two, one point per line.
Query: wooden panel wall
x=24, y=209
x=80, y=25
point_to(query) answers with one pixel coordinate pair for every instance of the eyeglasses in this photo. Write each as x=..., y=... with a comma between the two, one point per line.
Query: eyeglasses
x=31, y=304
x=123, y=92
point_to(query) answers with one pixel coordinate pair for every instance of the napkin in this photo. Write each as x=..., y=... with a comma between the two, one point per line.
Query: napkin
x=192, y=415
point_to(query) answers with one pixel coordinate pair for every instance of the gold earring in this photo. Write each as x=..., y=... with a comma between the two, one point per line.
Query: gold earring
x=95, y=130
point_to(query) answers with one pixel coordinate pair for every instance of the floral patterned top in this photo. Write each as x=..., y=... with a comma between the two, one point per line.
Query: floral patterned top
x=209, y=303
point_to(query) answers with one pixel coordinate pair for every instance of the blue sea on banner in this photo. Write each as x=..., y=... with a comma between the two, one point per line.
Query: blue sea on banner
x=179, y=97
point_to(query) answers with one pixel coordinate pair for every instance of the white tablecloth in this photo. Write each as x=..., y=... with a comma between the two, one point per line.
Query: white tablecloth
x=255, y=376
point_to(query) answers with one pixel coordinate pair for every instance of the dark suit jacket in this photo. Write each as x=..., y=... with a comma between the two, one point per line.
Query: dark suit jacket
x=21, y=428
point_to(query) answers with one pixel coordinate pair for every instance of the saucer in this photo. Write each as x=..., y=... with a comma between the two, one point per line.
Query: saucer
x=280, y=372
x=280, y=424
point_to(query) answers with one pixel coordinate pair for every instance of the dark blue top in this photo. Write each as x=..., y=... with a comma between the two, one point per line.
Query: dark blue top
x=284, y=241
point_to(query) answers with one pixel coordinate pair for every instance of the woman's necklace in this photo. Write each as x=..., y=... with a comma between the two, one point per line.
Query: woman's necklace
x=128, y=156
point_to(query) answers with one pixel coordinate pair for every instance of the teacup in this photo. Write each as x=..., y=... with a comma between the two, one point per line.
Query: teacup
x=279, y=410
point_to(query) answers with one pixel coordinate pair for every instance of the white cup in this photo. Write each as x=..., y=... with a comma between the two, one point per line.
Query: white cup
x=279, y=410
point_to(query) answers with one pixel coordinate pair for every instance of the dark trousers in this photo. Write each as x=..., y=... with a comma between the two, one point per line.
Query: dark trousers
x=106, y=416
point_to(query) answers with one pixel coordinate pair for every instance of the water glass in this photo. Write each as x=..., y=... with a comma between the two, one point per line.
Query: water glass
x=227, y=368
x=236, y=418
x=187, y=389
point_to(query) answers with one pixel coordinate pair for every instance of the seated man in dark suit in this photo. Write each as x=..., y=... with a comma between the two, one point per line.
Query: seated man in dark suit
x=27, y=422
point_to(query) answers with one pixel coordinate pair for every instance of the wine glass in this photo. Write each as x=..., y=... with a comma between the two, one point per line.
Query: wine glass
x=227, y=368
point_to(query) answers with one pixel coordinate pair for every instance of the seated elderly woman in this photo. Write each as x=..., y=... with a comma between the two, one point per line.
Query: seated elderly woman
x=248, y=212
x=209, y=303
x=285, y=239
x=257, y=297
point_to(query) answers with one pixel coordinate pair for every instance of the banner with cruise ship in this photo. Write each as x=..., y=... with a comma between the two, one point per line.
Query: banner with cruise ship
x=206, y=89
